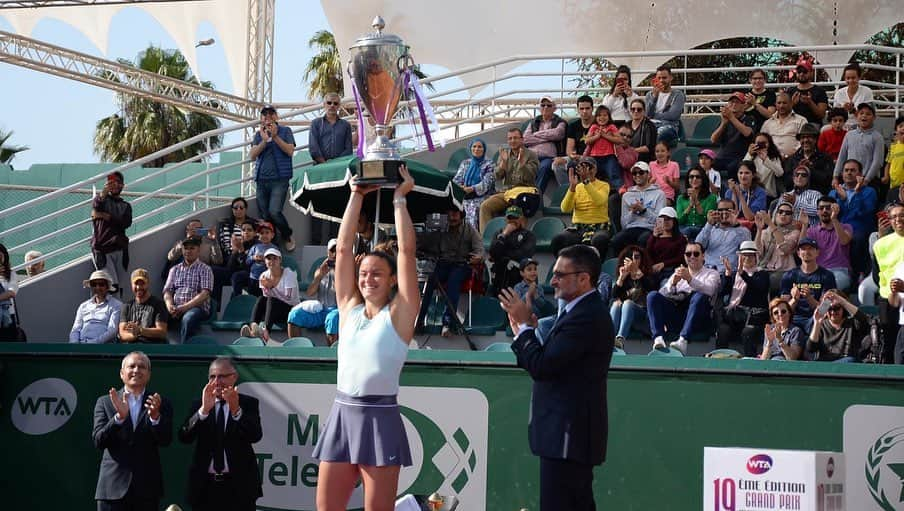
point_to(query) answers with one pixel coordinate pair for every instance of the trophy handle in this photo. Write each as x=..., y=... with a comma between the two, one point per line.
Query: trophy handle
x=404, y=62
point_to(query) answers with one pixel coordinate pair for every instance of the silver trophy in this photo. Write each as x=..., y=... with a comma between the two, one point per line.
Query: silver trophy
x=377, y=67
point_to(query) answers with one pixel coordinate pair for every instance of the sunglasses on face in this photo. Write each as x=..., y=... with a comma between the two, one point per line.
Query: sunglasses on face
x=724, y=210
x=635, y=109
x=638, y=172
x=238, y=206
x=545, y=105
x=98, y=284
x=824, y=207
x=695, y=176
x=332, y=102
x=801, y=174
x=692, y=253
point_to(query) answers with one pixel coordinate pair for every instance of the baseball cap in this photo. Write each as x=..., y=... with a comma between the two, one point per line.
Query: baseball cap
x=264, y=225
x=709, y=153
x=642, y=165
x=868, y=106
x=141, y=274
x=738, y=96
x=267, y=109
x=808, y=129
x=191, y=241
x=547, y=99
x=748, y=247
x=807, y=241
x=806, y=64
x=590, y=160
x=526, y=261
x=272, y=252
x=330, y=245
x=669, y=212
x=514, y=212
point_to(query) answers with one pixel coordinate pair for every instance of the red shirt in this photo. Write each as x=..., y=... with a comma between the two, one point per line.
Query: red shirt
x=830, y=142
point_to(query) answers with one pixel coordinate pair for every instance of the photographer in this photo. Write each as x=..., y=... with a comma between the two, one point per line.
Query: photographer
x=110, y=217
x=510, y=245
x=454, y=250
x=272, y=150
x=320, y=308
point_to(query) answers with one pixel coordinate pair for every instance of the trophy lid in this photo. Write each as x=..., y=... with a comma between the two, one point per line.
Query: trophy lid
x=378, y=37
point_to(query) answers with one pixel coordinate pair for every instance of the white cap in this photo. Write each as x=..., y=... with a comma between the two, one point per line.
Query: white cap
x=330, y=244
x=668, y=211
x=273, y=252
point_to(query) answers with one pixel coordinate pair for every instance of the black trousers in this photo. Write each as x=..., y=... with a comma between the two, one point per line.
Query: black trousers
x=130, y=502
x=269, y=310
x=223, y=495
x=566, y=484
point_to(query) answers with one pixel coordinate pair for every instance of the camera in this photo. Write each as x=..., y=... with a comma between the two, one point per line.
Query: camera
x=330, y=263
x=760, y=145
x=436, y=222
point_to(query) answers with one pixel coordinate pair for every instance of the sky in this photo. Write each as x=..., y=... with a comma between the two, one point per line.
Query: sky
x=55, y=117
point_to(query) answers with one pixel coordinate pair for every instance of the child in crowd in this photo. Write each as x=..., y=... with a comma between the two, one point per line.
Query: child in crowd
x=665, y=172
x=600, y=140
x=894, y=162
x=255, y=257
x=238, y=266
x=706, y=159
x=529, y=285
x=830, y=138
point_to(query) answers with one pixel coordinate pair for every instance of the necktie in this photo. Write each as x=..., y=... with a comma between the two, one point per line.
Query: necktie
x=219, y=455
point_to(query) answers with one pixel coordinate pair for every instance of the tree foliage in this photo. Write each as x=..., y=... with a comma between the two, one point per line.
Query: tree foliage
x=144, y=126
x=8, y=152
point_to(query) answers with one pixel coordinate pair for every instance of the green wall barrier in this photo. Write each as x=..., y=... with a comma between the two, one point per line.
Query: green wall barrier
x=466, y=415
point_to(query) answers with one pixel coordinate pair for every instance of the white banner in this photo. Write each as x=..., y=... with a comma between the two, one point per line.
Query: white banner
x=874, y=449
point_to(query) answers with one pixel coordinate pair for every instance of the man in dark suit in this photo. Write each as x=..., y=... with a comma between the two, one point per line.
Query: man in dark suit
x=130, y=426
x=568, y=425
x=223, y=424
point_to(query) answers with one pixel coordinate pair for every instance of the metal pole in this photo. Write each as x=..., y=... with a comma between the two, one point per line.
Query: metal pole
x=897, y=84
x=493, y=101
x=376, y=223
x=207, y=175
x=562, y=83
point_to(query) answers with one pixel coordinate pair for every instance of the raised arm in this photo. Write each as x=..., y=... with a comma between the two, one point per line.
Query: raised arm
x=346, y=287
x=407, y=302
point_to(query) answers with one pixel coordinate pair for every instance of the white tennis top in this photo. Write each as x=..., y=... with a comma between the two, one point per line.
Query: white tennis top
x=371, y=354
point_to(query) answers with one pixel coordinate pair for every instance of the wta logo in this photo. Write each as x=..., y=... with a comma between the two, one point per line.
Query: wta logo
x=759, y=464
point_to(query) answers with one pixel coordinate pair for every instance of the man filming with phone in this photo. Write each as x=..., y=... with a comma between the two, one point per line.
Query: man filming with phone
x=272, y=150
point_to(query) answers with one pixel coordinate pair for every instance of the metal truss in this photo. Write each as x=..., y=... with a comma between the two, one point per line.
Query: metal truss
x=59, y=61
x=10, y=4
x=259, y=66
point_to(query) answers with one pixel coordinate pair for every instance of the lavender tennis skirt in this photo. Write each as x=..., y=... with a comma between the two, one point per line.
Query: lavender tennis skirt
x=364, y=430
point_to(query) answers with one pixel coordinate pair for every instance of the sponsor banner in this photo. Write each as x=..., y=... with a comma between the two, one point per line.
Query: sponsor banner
x=448, y=447
x=874, y=450
x=43, y=406
x=743, y=479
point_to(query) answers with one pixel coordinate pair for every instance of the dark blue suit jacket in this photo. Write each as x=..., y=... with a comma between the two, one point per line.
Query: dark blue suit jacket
x=568, y=407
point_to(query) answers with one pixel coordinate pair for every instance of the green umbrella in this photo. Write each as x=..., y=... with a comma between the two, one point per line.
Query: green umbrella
x=323, y=191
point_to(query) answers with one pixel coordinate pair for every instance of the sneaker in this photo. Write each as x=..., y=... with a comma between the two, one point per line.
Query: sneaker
x=245, y=331
x=255, y=330
x=263, y=333
x=620, y=342
x=290, y=244
x=447, y=331
x=680, y=345
x=659, y=343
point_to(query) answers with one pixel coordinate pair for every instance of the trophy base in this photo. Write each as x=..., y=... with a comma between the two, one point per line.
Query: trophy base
x=379, y=172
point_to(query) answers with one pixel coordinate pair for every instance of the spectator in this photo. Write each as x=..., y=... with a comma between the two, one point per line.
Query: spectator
x=639, y=209
x=279, y=293
x=858, y=203
x=801, y=197
x=187, y=291
x=634, y=281
x=784, y=126
x=782, y=340
x=509, y=247
x=864, y=144
x=645, y=133
x=231, y=226
x=627, y=156
x=255, y=258
x=530, y=286
x=888, y=252
x=330, y=136
x=807, y=98
x=272, y=149
x=733, y=134
x=111, y=216
x=894, y=163
x=746, y=194
x=587, y=199
x=837, y=333
x=364, y=235
x=768, y=162
x=33, y=269
x=454, y=251
x=209, y=253
x=666, y=246
x=895, y=292
x=9, y=285
x=760, y=100
x=575, y=134
x=665, y=173
x=803, y=287
x=477, y=177
x=776, y=241
x=820, y=164
x=238, y=266
x=831, y=138
x=848, y=98
x=695, y=203
x=684, y=301
x=620, y=96
x=545, y=135
x=722, y=235
x=747, y=296
x=601, y=140
x=665, y=105
x=706, y=159
x=144, y=317
x=320, y=310
x=97, y=319
x=515, y=167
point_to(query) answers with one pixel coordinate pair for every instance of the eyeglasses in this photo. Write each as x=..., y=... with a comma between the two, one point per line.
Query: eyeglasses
x=212, y=377
x=238, y=206
x=779, y=312
x=785, y=212
x=692, y=253
x=724, y=210
x=638, y=172
x=824, y=207
x=695, y=176
x=559, y=275
x=332, y=102
x=546, y=105
x=634, y=109
x=801, y=174
x=99, y=283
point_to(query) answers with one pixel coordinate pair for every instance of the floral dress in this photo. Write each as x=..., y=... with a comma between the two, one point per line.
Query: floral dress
x=482, y=189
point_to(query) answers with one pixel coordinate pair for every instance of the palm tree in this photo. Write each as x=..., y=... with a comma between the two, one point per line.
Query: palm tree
x=7, y=152
x=143, y=126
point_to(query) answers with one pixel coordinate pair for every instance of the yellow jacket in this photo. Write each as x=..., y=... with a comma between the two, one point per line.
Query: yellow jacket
x=588, y=204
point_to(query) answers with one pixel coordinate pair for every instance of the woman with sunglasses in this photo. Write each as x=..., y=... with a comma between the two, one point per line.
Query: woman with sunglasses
x=782, y=340
x=695, y=203
x=838, y=328
x=747, y=194
x=635, y=279
x=666, y=245
x=776, y=242
x=644, y=138
x=477, y=177
x=768, y=162
x=747, y=293
x=231, y=227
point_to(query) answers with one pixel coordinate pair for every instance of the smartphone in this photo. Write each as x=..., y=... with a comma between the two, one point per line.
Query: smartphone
x=330, y=263
x=882, y=215
x=823, y=306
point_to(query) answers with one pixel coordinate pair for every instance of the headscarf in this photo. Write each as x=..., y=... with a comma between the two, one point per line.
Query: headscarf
x=472, y=176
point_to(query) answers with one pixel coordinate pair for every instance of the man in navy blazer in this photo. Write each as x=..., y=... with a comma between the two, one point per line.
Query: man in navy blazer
x=130, y=425
x=568, y=424
x=223, y=424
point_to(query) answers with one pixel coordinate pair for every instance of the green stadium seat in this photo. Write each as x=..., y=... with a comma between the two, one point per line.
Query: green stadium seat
x=310, y=276
x=487, y=316
x=555, y=202
x=290, y=262
x=491, y=229
x=703, y=130
x=610, y=266
x=236, y=314
x=547, y=287
x=618, y=352
x=499, y=347
x=681, y=155
x=248, y=341
x=298, y=342
x=545, y=229
x=460, y=155
x=201, y=340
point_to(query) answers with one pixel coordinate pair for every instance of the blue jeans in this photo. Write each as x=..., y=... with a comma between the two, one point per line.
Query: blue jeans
x=544, y=172
x=690, y=231
x=271, y=195
x=450, y=275
x=608, y=169
x=190, y=322
x=666, y=131
x=842, y=278
x=847, y=360
x=692, y=314
x=623, y=315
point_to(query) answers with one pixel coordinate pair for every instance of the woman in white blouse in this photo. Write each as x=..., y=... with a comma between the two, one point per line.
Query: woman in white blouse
x=853, y=94
x=279, y=293
x=619, y=99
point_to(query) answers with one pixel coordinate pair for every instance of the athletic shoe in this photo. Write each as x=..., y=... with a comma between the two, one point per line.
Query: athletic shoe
x=255, y=330
x=447, y=331
x=680, y=345
x=659, y=343
x=245, y=331
x=262, y=331
x=290, y=244
x=619, y=342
